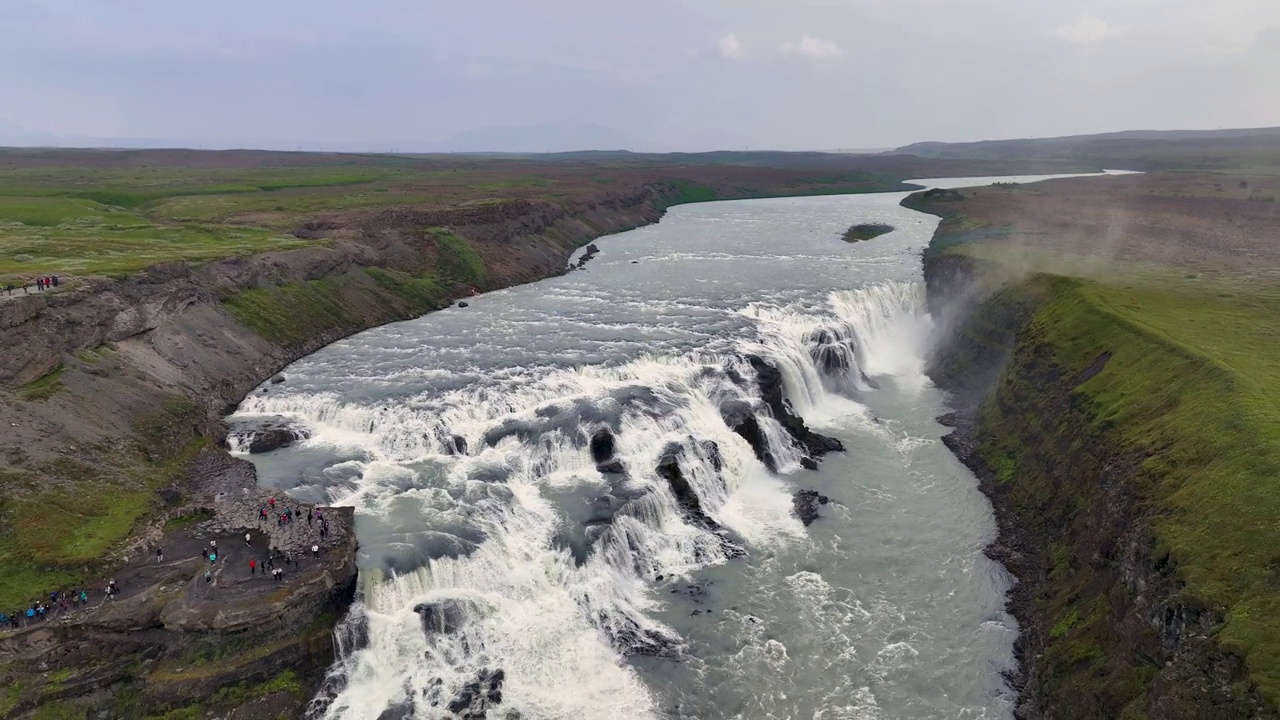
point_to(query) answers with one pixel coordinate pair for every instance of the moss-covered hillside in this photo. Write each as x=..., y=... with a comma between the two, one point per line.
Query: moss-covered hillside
x=1129, y=434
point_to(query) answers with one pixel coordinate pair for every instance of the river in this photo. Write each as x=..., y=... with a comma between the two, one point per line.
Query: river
x=493, y=552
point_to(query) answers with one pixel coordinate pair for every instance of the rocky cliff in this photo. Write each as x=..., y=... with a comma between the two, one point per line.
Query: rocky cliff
x=119, y=389
x=1109, y=625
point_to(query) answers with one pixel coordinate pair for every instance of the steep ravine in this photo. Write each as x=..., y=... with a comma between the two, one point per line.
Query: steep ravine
x=1108, y=628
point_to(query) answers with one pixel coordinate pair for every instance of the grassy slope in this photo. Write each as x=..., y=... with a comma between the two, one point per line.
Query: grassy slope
x=60, y=519
x=1193, y=385
x=117, y=212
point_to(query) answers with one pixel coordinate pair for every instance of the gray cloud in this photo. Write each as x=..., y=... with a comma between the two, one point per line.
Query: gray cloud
x=674, y=74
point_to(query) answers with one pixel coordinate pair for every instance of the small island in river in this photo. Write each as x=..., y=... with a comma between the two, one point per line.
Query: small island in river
x=866, y=231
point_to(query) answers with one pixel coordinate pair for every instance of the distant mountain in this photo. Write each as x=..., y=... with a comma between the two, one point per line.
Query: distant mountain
x=14, y=135
x=1132, y=139
x=552, y=137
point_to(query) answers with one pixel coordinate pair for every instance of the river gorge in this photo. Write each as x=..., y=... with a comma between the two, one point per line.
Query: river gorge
x=586, y=497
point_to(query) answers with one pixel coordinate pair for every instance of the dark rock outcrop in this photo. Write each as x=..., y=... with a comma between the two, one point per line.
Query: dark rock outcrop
x=274, y=438
x=831, y=353
x=669, y=469
x=612, y=466
x=442, y=617
x=867, y=231
x=479, y=696
x=769, y=380
x=805, y=504
x=740, y=418
x=590, y=253
x=455, y=445
x=602, y=445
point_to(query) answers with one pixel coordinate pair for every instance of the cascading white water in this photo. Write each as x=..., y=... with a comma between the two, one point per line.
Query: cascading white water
x=555, y=601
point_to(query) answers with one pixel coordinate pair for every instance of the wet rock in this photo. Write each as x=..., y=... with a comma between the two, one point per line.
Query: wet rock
x=712, y=450
x=277, y=379
x=950, y=419
x=669, y=469
x=769, y=380
x=402, y=710
x=456, y=445
x=832, y=353
x=805, y=505
x=612, y=467
x=442, y=617
x=479, y=696
x=591, y=252
x=739, y=416
x=463, y=304
x=808, y=463
x=274, y=438
x=602, y=445
x=629, y=639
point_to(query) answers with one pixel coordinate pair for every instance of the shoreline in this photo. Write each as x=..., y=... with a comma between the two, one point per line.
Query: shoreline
x=1110, y=620
x=147, y=337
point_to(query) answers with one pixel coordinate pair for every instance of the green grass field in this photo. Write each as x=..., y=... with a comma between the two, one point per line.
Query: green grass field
x=1192, y=386
x=108, y=212
x=94, y=221
x=1194, y=380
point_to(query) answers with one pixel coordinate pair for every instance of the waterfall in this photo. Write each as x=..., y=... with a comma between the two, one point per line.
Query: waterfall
x=528, y=569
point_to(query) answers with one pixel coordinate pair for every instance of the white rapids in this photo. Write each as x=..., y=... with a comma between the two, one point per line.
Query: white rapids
x=503, y=572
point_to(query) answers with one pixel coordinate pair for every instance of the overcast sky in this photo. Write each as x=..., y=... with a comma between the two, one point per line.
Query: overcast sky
x=670, y=74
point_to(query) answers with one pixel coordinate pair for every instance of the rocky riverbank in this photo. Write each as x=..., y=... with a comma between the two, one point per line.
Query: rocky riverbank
x=134, y=375
x=1110, y=624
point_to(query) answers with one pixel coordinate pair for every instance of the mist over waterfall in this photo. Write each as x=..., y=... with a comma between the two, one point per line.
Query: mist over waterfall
x=584, y=498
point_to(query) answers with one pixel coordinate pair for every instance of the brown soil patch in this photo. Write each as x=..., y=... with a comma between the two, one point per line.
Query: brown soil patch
x=1202, y=222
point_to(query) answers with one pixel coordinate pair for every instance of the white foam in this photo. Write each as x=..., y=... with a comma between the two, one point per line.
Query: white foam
x=530, y=608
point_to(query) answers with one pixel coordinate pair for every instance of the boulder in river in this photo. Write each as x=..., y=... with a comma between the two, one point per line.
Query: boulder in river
x=612, y=466
x=669, y=469
x=479, y=696
x=741, y=419
x=463, y=303
x=277, y=379
x=273, y=437
x=455, y=445
x=867, y=231
x=442, y=617
x=805, y=505
x=602, y=445
x=769, y=380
